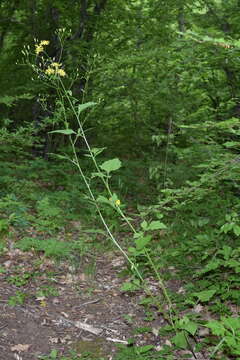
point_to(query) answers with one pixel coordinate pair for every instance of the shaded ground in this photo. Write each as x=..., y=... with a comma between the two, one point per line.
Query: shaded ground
x=57, y=300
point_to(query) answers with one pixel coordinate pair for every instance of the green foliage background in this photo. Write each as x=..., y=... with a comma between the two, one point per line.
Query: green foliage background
x=165, y=75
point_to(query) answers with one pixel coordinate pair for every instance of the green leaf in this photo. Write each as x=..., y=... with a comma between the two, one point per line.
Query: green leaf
x=64, y=132
x=97, y=151
x=216, y=327
x=61, y=157
x=232, y=263
x=226, y=228
x=144, y=225
x=97, y=174
x=205, y=295
x=190, y=327
x=142, y=242
x=53, y=354
x=226, y=251
x=212, y=265
x=229, y=144
x=82, y=107
x=232, y=323
x=144, y=349
x=180, y=340
x=236, y=230
x=7, y=100
x=111, y=165
x=130, y=286
x=231, y=341
x=103, y=199
x=156, y=225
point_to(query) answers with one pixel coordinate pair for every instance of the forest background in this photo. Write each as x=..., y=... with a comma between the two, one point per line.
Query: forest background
x=165, y=79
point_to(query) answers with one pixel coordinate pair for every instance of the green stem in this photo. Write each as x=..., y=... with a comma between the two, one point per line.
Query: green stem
x=76, y=162
x=162, y=286
x=119, y=210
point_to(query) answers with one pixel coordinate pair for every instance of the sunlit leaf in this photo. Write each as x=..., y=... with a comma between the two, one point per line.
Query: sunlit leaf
x=111, y=165
x=205, y=295
x=156, y=225
x=144, y=225
x=82, y=107
x=64, y=132
x=190, y=327
x=216, y=327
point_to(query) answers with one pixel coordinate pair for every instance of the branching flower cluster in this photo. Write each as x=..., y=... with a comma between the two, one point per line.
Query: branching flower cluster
x=40, y=47
x=54, y=68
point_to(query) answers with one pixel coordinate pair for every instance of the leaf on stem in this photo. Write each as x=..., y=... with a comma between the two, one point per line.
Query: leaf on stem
x=82, y=107
x=64, y=132
x=111, y=165
x=142, y=241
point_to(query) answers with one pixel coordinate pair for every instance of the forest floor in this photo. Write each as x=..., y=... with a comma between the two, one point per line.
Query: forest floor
x=63, y=293
x=53, y=308
x=64, y=308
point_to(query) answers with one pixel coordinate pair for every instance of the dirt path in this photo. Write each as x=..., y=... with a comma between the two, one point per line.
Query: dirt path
x=57, y=307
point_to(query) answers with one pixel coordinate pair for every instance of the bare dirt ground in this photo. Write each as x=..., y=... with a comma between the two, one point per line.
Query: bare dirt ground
x=45, y=306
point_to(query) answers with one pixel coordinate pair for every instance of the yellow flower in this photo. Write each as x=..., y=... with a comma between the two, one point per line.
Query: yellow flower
x=117, y=202
x=56, y=65
x=43, y=303
x=49, y=71
x=44, y=42
x=38, y=49
x=60, y=72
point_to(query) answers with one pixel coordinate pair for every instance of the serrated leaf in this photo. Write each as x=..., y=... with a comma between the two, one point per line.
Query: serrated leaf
x=111, y=165
x=64, y=132
x=180, y=340
x=82, y=107
x=205, y=295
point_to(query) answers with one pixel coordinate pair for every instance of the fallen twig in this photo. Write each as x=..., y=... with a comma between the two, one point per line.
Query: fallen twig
x=117, y=340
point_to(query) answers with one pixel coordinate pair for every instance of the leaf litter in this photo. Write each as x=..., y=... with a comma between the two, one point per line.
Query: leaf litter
x=62, y=308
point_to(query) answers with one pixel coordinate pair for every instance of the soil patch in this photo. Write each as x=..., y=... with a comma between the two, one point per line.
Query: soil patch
x=46, y=306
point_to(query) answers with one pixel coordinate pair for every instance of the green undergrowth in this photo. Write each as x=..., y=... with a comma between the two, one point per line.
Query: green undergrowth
x=122, y=353
x=48, y=195
x=43, y=208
